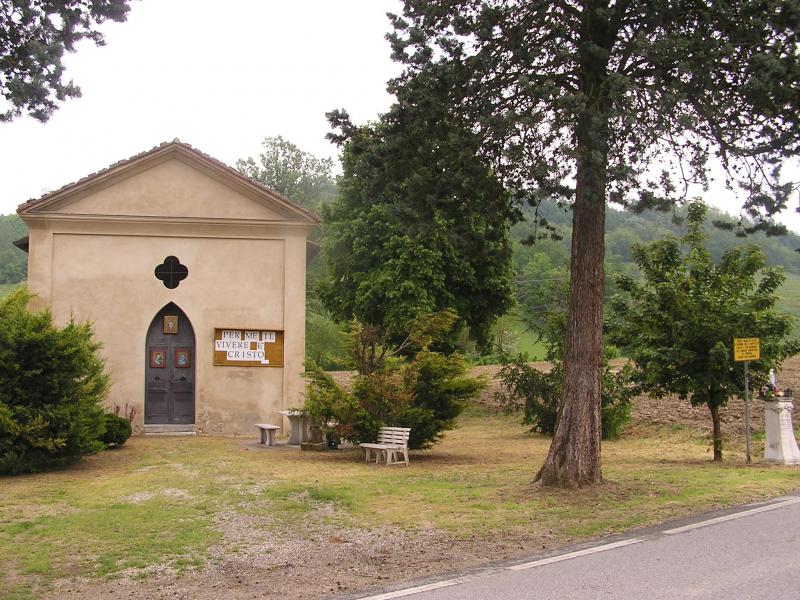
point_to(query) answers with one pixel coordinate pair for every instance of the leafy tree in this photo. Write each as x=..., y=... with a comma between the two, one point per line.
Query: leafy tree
x=421, y=224
x=298, y=175
x=33, y=38
x=537, y=394
x=593, y=101
x=51, y=386
x=324, y=339
x=13, y=261
x=426, y=394
x=679, y=322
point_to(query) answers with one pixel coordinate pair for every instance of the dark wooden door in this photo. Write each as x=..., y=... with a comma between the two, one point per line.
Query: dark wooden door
x=169, y=368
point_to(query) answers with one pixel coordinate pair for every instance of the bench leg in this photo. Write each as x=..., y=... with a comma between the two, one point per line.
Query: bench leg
x=263, y=436
x=270, y=437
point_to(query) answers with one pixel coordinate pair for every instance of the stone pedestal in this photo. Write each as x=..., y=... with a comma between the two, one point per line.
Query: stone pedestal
x=780, y=445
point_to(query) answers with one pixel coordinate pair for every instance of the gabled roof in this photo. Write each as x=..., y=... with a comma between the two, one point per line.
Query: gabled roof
x=161, y=152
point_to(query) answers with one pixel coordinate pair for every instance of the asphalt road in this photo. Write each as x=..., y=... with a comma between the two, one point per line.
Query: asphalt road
x=750, y=553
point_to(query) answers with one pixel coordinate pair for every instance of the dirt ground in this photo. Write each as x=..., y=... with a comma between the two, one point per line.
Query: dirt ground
x=252, y=561
x=670, y=411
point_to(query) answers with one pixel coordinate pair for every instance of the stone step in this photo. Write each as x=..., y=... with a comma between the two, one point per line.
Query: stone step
x=164, y=429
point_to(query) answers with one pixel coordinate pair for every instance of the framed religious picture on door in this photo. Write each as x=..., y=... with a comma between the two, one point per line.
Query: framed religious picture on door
x=158, y=358
x=183, y=358
x=170, y=324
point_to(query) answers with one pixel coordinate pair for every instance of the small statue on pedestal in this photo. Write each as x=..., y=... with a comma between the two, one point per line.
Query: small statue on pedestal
x=771, y=390
x=780, y=445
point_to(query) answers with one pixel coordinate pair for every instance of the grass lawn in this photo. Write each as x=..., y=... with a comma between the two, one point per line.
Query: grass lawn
x=157, y=501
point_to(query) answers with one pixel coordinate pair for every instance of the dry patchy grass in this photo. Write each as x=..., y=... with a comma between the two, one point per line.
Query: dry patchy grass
x=161, y=506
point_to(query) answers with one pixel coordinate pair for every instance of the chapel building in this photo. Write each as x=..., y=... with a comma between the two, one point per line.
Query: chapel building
x=194, y=279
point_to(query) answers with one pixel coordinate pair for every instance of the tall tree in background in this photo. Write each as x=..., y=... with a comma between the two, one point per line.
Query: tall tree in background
x=623, y=101
x=298, y=175
x=421, y=224
x=33, y=38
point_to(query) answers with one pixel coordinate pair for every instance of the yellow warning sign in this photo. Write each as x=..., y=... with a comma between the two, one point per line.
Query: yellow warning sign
x=746, y=349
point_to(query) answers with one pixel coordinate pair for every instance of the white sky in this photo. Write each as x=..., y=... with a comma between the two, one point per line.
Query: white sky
x=219, y=76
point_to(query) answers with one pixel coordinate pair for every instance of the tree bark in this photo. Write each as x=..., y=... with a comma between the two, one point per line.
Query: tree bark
x=574, y=456
x=717, y=431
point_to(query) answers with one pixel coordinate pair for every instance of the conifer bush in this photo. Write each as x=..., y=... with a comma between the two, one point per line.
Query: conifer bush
x=51, y=385
x=117, y=430
x=426, y=393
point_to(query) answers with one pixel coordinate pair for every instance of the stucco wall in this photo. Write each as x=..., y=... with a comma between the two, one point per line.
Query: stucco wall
x=244, y=272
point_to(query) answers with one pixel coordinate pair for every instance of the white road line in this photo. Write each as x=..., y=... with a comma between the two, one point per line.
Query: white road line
x=576, y=554
x=414, y=590
x=561, y=557
x=738, y=515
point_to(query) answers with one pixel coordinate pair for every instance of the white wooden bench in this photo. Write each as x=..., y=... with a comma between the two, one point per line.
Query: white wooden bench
x=392, y=442
x=267, y=433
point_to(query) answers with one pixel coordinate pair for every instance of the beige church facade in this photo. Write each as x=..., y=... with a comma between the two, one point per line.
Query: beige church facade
x=194, y=279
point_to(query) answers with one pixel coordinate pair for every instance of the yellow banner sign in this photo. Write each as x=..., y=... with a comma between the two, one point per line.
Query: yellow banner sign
x=248, y=348
x=746, y=349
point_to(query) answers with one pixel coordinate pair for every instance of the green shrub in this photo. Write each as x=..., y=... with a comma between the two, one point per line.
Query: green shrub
x=439, y=389
x=426, y=395
x=118, y=430
x=616, y=396
x=326, y=403
x=537, y=394
x=51, y=386
x=534, y=393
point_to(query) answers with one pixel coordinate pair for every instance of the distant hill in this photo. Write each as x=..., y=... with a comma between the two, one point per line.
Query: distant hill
x=624, y=228
x=13, y=261
x=543, y=268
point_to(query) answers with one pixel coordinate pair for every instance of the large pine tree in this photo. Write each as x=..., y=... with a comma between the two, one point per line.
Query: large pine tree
x=624, y=101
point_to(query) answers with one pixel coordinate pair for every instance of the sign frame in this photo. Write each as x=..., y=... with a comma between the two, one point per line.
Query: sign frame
x=746, y=349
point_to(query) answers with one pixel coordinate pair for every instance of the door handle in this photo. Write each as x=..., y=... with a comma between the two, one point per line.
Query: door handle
x=158, y=378
x=183, y=378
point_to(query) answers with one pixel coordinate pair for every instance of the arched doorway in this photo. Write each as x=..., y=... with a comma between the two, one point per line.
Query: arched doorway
x=169, y=369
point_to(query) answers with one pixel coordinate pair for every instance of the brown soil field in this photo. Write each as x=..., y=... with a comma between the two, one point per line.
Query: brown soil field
x=668, y=411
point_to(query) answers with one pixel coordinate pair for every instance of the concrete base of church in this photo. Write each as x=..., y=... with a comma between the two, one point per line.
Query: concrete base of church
x=170, y=430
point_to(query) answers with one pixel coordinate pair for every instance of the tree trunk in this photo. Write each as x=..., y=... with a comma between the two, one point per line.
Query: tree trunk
x=574, y=455
x=717, y=431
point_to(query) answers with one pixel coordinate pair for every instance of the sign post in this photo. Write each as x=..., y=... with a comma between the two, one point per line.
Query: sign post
x=745, y=350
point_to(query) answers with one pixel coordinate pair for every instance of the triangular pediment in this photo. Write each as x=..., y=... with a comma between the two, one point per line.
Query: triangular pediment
x=172, y=181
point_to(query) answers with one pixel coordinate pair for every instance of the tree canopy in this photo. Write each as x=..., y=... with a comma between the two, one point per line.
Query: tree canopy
x=679, y=322
x=34, y=35
x=13, y=261
x=623, y=101
x=300, y=176
x=421, y=224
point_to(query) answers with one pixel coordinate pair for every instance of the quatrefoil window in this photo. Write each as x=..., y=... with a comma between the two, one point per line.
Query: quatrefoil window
x=171, y=272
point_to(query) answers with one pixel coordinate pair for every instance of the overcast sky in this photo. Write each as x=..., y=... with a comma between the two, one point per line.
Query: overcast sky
x=219, y=76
